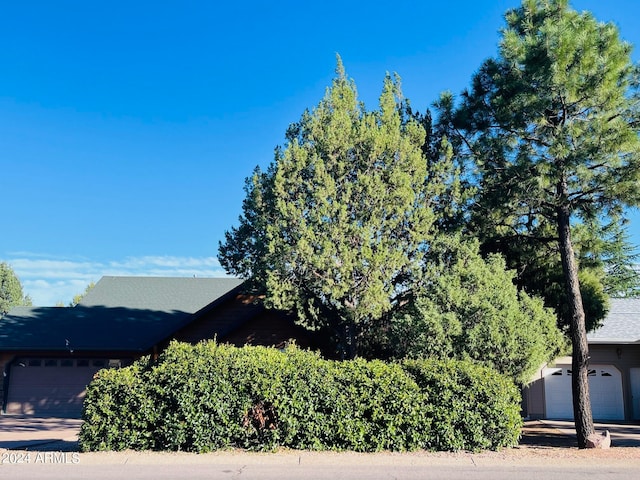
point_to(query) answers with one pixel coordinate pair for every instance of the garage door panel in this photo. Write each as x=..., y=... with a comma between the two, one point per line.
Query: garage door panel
x=49, y=390
x=54, y=376
x=557, y=391
x=47, y=403
x=605, y=388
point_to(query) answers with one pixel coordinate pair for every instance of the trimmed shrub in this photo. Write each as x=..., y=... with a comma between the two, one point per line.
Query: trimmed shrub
x=118, y=411
x=472, y=407
x=208, y=397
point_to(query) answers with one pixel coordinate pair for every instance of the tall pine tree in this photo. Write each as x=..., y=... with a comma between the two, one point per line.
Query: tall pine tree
x=551, y=124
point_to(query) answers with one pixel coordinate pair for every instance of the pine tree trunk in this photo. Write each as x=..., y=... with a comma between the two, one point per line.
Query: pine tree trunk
x=580, y=358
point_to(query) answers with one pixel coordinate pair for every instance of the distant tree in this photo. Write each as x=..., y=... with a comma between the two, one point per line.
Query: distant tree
x=78, y=298
x=336, y=229
x=11, y=294
x=552, y=126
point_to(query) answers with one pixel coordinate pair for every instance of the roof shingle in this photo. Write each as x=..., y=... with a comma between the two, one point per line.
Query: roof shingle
x=621, y=325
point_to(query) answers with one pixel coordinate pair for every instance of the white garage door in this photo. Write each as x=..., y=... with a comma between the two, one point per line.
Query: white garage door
x=50, y=387
x=605, y=387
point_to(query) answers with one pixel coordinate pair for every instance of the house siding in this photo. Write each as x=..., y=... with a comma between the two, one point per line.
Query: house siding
x=624, y=358
x=271, y=329
x=533, y=397
x=243, y=320
x=218, y=322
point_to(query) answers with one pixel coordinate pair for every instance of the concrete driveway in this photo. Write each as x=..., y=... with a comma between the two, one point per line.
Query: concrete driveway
x=26, y=432
x=557, y=433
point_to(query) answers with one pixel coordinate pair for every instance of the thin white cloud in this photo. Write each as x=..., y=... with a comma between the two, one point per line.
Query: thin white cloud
x=44, y=268
x=50, y=281
x=167, y=262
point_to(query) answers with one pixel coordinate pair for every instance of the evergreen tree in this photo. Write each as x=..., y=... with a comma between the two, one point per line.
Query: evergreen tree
x=471, y=309
x=551, y=125
x=336, y=229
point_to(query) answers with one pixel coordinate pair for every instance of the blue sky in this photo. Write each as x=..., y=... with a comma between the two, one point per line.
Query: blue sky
x=127, y=128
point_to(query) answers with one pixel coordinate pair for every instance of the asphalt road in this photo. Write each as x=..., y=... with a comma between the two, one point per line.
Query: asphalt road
x=324, y=472
x=290, y=465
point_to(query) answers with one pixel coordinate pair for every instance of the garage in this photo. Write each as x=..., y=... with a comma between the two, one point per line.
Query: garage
x=605, y=386
x=51, y=387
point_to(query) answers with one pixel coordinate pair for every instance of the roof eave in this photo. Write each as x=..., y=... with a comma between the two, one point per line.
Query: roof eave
x=613, y=341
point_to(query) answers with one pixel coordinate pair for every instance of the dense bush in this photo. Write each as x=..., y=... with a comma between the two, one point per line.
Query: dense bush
x=471, y=309
x=119, y=412
x=471, y=407
x=207, y=397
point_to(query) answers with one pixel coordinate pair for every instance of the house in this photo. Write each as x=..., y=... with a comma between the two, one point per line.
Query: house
x=614, y=371
x=48, y=355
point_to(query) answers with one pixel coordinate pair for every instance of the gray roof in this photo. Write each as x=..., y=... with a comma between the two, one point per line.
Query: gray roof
x=163, y=294
x=622, y=323
x=120, y=313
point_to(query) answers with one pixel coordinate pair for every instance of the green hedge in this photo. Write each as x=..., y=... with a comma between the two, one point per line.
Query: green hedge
x=472, y=407
x=209, y=396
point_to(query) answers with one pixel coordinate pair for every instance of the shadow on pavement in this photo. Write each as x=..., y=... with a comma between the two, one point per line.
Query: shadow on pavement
x=562, y=434
x=45, y=445
x=534, y=435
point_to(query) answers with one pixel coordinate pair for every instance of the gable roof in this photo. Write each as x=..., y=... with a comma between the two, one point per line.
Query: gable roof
x=119, y=314
x=163, y=294
x=621, y=325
